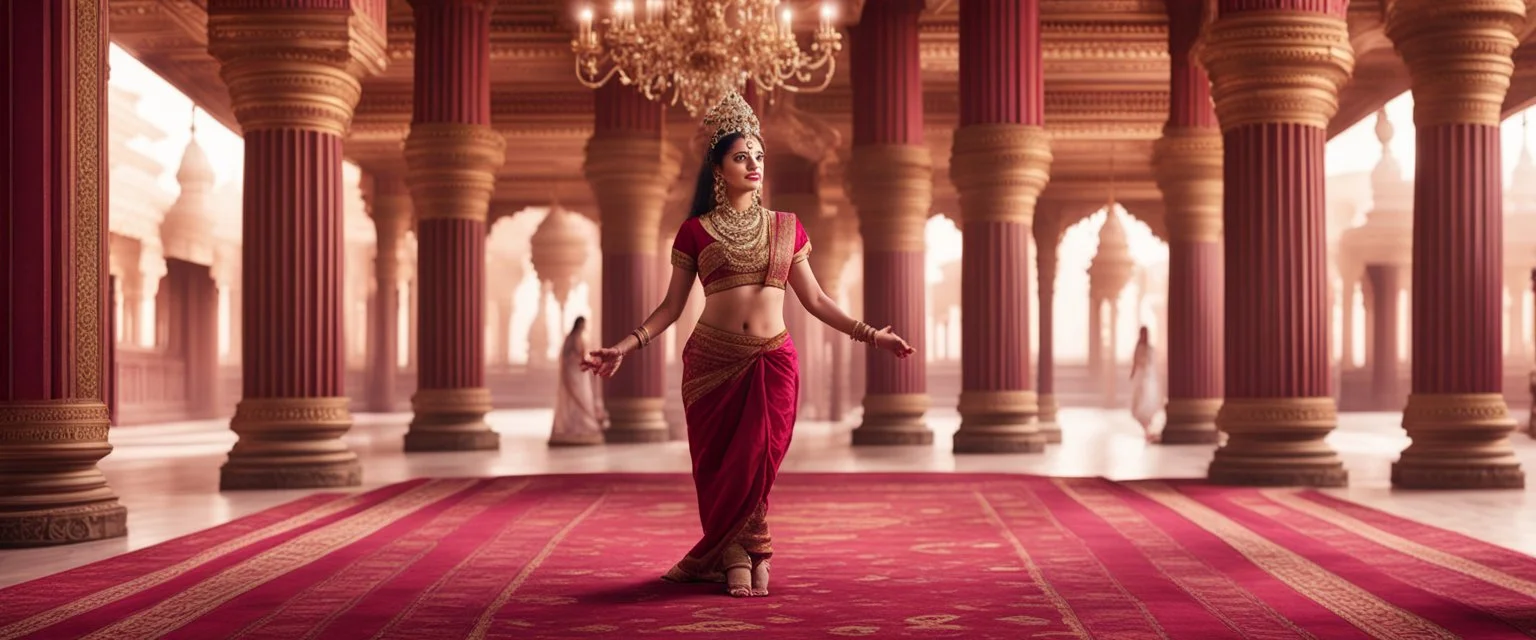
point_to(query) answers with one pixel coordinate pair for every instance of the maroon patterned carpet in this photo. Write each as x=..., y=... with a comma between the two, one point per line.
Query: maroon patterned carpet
x=884, y=555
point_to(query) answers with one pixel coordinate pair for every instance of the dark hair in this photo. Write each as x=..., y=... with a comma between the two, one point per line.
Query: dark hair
x=580, y=321
x=704, y=188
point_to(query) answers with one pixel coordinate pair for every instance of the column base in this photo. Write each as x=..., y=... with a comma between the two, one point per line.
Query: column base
x=290, y=443
x=894, y=419
x=1460, y=441
x=1191, y=421
x=1046, y=421
x=636, y=420
x=451, y=420
x=998, y=422
x=1273, y=442
x=63, y=525
x=51, y=491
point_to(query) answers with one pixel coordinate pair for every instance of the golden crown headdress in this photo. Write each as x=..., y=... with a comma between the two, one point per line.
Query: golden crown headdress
x=731, y=115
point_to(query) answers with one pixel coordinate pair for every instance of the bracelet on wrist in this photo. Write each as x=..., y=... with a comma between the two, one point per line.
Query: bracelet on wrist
x=642, y=336
x=862, y=333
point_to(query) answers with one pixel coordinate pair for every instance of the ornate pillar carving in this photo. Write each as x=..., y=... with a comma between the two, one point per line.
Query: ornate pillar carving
x=1276, y=67
x=452, y=154
x=890, y=180
x=1459, y=58
x=390, y=206
x=55, y=378
x=1002, y=160
x=1048, y=228
x=630, y=167
x=294, y=99
x=1187, y=165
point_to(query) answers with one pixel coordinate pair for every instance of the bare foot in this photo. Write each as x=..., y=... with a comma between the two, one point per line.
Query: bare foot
x=760, y=579
x=738, y=581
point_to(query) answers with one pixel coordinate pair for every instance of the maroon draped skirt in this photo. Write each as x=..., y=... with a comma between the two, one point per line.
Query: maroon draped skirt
x=740, y=395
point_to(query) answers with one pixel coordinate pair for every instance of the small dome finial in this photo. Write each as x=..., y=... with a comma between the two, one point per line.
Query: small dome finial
x=1383, y=127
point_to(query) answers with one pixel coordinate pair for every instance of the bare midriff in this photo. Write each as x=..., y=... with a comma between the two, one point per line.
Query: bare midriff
x=753, y=310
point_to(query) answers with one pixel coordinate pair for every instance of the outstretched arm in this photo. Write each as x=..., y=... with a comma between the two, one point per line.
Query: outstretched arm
x=605, y=362
x=824, y=308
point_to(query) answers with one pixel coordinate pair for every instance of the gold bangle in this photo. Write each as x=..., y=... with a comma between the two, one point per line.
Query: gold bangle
x=641, y=335
x=862, y=333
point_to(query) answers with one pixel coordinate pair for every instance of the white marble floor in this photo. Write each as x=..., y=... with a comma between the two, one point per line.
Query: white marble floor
x=167, y=475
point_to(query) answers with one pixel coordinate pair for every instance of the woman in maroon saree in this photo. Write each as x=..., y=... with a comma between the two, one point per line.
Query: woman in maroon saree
x=741, y=375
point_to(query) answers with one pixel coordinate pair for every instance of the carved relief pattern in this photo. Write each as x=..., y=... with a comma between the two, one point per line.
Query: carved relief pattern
x=1275, y=67
x=1459, y=56
x=1000, y=170
x=89, y=207
x=892, y=187
x=453, y=169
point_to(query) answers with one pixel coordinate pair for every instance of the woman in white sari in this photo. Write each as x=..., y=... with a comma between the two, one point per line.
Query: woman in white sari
x=577, y=420
x=1146, y=391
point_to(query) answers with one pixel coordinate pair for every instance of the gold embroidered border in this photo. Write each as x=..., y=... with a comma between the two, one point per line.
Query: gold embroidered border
x=726, y=355
x=1403, y=545
x=483, y=625
x=781, y=247
x=1214, y=590
x=213, y=592
x=107, y=596
x=1062, y=606
x=683, y=261
x=322, y=606
x=1350, y=602
x=803, y=254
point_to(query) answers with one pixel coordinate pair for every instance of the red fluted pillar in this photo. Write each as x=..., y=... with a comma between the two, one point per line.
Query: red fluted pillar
x=630, y=168
x=890, y=179
x=1276, y=67
x=452, y=154
x=1189, y=171
x=1002, y=160
x=55, y=338
x=390, y=206
x=1047, y=229
x=1386, y=281
x=294, y=99
x=1459, y=57
x=795, y=188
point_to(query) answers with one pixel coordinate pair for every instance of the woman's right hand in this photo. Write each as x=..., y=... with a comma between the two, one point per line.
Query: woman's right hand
x=889, y=341
x=603, y=362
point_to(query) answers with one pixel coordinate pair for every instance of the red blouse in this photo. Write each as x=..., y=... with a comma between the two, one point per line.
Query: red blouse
x=697, y=250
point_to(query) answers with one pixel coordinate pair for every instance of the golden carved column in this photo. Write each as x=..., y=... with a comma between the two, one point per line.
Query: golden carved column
x=294, y=98
x=999, y=169
x=1459, y=58
x=451, y=157
x=630, y=167
x=890, y=181
x=1276, y=68
x=55, y=339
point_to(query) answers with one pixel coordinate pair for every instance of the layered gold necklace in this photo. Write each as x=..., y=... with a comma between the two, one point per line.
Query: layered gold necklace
x=743, y=236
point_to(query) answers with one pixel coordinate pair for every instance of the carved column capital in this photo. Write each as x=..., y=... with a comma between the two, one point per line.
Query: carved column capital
x=1187, y=163
x=630, y=176
x=298, y=69
x=1277, y=67
x=452, y=169
x=1000, y=170
x=892, y=187
x=1459, y=56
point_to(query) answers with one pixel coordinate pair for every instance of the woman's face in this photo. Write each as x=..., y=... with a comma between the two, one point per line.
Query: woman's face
x=742, y=167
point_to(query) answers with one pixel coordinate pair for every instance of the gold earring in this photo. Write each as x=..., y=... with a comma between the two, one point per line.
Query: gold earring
x=757, y=196
x=719, y=191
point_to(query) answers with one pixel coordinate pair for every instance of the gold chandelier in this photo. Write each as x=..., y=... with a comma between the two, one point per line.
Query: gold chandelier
x=698, y=50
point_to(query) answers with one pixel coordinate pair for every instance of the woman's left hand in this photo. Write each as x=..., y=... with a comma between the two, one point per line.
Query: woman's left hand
x=603, y=362
x=889, y=341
